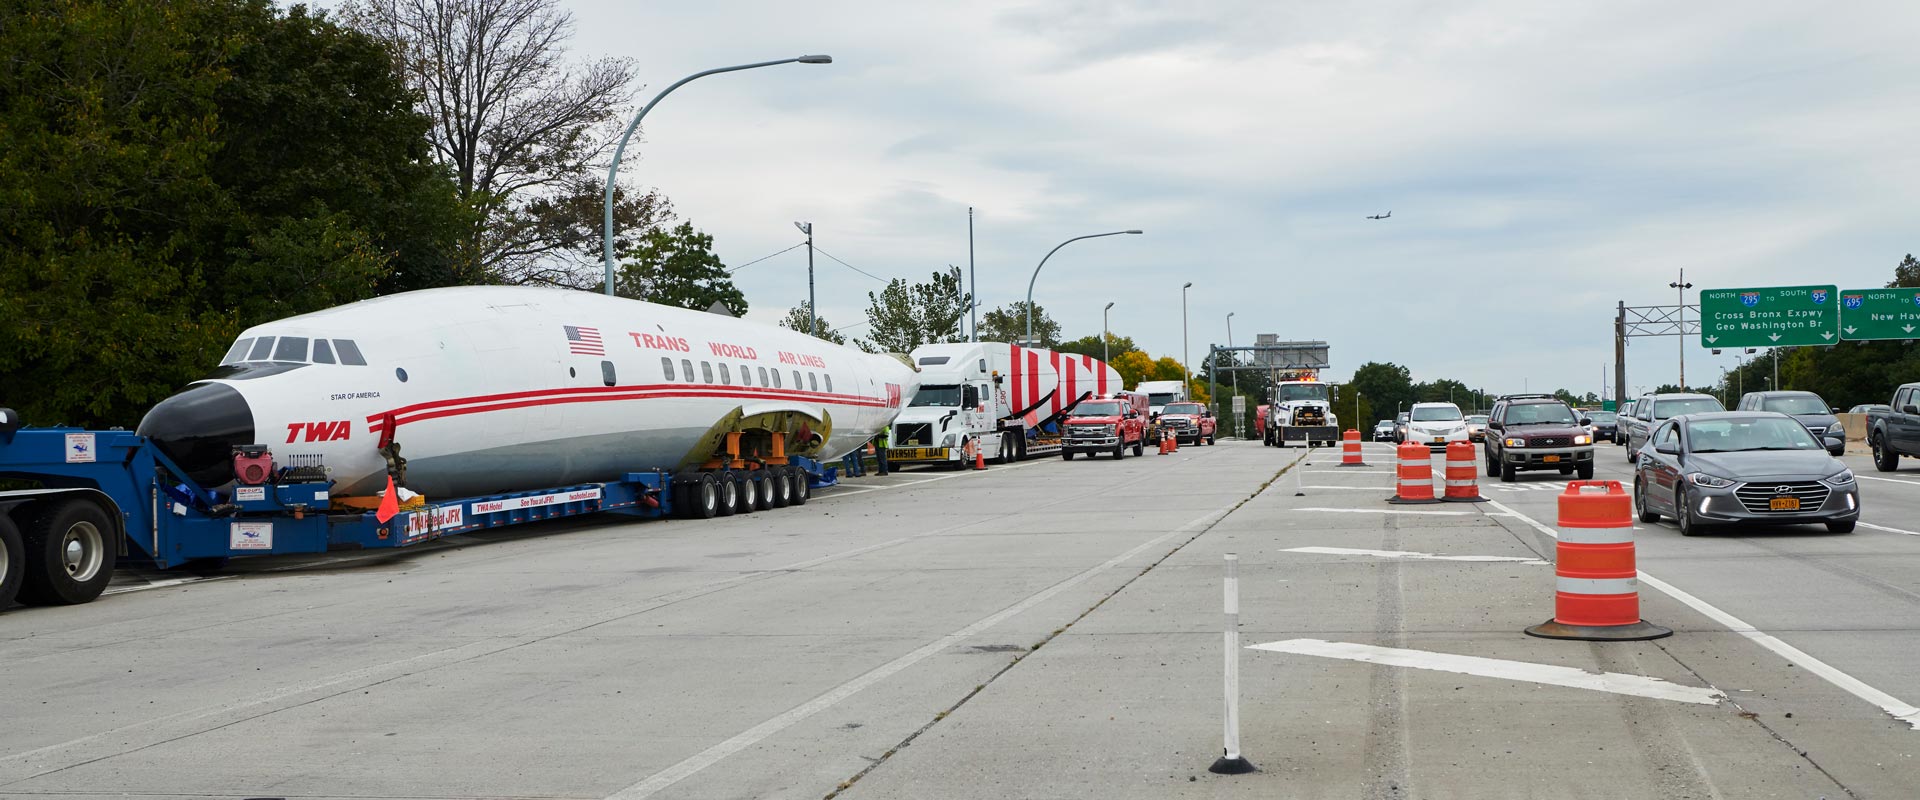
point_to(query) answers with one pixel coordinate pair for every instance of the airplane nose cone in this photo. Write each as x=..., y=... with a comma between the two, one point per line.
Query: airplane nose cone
x=198, y=429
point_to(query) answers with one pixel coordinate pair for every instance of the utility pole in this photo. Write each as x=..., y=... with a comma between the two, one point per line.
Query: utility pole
x=1186, y=375
x=973, y=297
x=1680, y=288
x=813, y=328
x=1620, y=355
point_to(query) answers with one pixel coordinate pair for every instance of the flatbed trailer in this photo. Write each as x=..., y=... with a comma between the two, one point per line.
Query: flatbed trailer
x=112, y=498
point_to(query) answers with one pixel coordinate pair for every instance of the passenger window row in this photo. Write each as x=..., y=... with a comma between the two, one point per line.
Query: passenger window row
x=294, y=349
x=768, y=378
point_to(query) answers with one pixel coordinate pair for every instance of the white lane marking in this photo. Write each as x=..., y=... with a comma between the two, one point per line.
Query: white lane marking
x=1354, y=488
x=961, y=474
x=1508, y=512
x=1387, y=511
x=164, y=583
x=1554, y=675
x=1897, y=708
x=1348, y=551
x=1888, y=480
x=1338, y=471
x=1887, y=529
x=748, y=738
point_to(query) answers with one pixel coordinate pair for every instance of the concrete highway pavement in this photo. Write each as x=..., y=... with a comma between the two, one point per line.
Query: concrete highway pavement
x=1048, y=629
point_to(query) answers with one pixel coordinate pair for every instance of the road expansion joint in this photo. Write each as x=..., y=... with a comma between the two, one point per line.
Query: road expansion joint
x=908, y=740
x=1754, y=718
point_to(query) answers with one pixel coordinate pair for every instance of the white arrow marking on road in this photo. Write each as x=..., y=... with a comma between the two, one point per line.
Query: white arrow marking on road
x=1610, y=682
x=1348, y=551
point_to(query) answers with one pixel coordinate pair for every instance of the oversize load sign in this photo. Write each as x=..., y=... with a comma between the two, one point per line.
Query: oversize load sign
x=1772, y=316
x=1870, y=314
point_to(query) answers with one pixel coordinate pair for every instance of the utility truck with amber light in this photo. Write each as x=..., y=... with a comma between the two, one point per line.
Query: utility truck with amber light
x=1300, y=413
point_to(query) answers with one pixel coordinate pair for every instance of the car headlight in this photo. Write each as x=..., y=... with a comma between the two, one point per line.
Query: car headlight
x=1709, y=481
x=1842, y=478
x=1835, y=430
x=951, y=440
x=1583, y=439
x=1111, y=429
x=1514, y=442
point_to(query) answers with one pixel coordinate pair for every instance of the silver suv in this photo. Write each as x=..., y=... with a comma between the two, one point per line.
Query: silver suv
x=1652, y=409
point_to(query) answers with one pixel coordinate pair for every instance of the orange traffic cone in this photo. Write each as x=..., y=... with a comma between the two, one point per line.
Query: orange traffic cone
x=1596, y=577
x=1415, y=479
x=1350, y=449
x=979, y=456
x=1463, y=467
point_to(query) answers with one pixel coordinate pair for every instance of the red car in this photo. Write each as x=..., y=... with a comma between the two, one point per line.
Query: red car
x=1191, y=423
x=1112, y=424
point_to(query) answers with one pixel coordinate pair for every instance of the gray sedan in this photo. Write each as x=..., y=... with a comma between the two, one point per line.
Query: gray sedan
x=1741, y=468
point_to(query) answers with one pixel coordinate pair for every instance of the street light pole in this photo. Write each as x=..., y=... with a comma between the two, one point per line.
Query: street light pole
x=1680, y=288
x=813, y=328
x=1106, y=355
x=613, y=169
x=1043, y=263
x=973, y=294
x=1185, y=374
x=1235, y=374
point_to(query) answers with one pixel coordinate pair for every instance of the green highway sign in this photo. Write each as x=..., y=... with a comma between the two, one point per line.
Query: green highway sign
x=1769, y=316
x=1873, y=314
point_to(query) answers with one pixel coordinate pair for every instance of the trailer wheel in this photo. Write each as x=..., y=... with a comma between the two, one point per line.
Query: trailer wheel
x=748, y=495
x=802, y=485
x=780, y=487
x=762, y=490
x=13, y=561
x=70, y=554
x=726, y=494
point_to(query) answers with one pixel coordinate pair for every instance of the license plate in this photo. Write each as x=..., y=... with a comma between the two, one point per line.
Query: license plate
x=1784, y=504
x=1550, y=459
x=916, y=453
x=1439, y=440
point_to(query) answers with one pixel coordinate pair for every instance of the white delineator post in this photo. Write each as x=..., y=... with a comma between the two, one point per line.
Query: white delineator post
x=1231, y=762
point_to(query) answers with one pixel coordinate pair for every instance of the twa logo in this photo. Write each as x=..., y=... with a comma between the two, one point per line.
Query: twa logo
x=319, y=431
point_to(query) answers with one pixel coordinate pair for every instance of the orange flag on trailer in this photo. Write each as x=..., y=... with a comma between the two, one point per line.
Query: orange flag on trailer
x=389, y=504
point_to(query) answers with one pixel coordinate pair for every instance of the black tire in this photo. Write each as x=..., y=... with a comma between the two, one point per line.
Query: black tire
x=1066, y=455
x=1640, y=504
x=1508, y=473
x=1139, y=448
x=703, y=497
x=726, y=494
x=70, y=553
x=1213, y=439
x=1586, y=471
x=677, y=495
x=749, y=494
x=1884, y=459
x=1683, y=516
x=1119, y=451
x=1493, y=464
x=13, y=561
x=762, y=490
x=1841, y=526
x=802, y=486
x=781, y=486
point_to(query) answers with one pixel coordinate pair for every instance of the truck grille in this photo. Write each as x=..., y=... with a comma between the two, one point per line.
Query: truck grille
x=1310, y=416
x=1550, y=441
x=913, y=433
x=1086, y=431
x=1180, y=424
x=1758, y=497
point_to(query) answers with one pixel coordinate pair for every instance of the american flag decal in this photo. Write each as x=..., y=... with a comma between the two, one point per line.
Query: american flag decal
x=584, y=341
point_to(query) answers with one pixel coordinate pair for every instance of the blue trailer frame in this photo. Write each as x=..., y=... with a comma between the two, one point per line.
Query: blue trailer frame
x=164, y=520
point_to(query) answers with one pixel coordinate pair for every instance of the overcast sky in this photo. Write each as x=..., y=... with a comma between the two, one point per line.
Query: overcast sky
x=1542, y=161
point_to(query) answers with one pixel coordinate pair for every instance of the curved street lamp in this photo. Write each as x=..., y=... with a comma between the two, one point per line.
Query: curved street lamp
x=613, y=169
x=1043, y=262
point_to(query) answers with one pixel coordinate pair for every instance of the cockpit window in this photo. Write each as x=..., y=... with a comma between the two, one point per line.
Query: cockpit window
x=262, y=348
x=349, y=353
x=238, y=351
x=322, y=352
x=291, y=348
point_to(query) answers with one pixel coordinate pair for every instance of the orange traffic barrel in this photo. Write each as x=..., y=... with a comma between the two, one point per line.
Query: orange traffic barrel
x=1350, y=449
x=1414, y=475
x=1597, y=588
x=1463, y=469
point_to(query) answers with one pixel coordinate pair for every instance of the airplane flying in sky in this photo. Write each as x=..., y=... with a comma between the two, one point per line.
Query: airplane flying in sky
x=498, y=388
x=1381, y=216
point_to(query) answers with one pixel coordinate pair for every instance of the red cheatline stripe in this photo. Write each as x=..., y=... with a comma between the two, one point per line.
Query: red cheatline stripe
x=493, y=398
x=424, y=411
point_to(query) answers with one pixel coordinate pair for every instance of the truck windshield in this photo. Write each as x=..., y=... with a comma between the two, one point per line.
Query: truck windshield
x=1435, y=413
x=1666, y=409
x=1160, y=398
x=1304, y=391
x=1182, y=408
x=1795, y=404
x=1108, y=409
x=937, y=396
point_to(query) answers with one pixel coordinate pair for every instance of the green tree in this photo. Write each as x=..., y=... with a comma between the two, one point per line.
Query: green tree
x=1008, y=323
x=796, y=319
x=175, y=171
x=678, y=267
x=1090, y=345
x=904, y=316
x=1134, y=366
x=1906, y=275
x=1388, y=386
